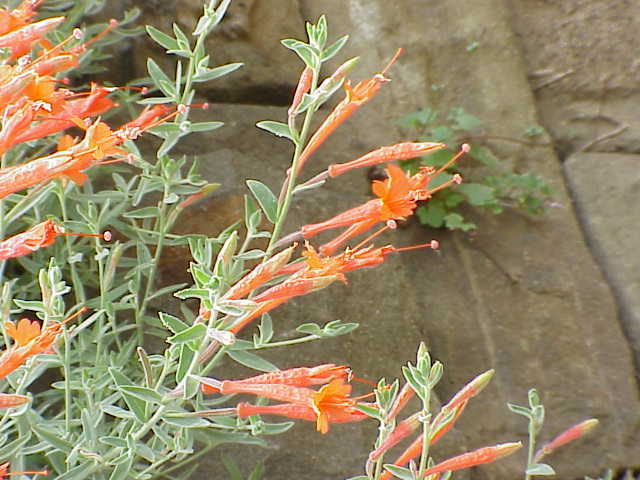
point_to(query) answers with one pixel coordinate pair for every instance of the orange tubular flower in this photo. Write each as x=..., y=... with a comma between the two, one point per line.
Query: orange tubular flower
x=356, y=97
x=399, y=151
x=12, y=123
x=94, y=104
x=9, y=400
x=304, y=84
x=295, y=287
x=396, y=200
x=331, y=401
x=296, y=377
x=303, y=412
x=567, y=436
x=261, y=274
x=39, y=236
x=476, y=457
x=21, y=40
x=29, y=340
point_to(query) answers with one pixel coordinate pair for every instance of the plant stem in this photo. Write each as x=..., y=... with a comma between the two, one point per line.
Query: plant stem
x=531, y=450
x=283, y=209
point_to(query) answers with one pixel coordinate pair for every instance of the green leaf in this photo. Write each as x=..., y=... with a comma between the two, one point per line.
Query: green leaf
x=519, y=410
x=205, y=126
x=455, y=221
x=303, y=50
x=370, y=411
x=8, y=450
x=172, y=323
x=431, y=214
x=277, y=128
x=160, y=79
x=146, y=212
x=213, y=73
x=123, y=468
x=461, y=120
x=478, y=194
x=266, y=199
x=193, y=333
x=80, y=472
x=162, y=39
x=116, y=442
x=137, y=406
x=51, y=436
x=252, y=360
x=118, y=412
x=145, y=394
x=400, y=472
x=540, y=469
x=334, y=48
x=275, y=428
x=186, y=422
x=184, y=361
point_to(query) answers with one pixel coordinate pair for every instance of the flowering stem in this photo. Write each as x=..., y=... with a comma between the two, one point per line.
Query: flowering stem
x=67, y=382
x=283, y=209
x=78, y=288
x=426, y=432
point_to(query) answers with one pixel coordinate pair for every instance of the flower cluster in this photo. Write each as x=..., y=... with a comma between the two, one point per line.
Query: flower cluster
x=34, y=103
x=331, y=403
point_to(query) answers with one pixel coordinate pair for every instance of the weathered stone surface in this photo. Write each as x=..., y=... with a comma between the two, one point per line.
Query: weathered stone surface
x=582, y=61
x=523, y=295
x=613, y=235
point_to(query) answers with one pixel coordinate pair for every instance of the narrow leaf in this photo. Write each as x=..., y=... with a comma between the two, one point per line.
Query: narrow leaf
x=266, y=199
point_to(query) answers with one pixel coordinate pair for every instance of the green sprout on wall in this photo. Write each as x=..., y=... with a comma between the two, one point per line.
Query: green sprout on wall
x=493, y=187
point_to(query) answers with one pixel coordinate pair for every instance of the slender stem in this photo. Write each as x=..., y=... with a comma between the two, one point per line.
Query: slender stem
x=284, y=343
x=532, y=446
x=67, y=382
x=283, y=209
x=426, y=433
x=78, y=288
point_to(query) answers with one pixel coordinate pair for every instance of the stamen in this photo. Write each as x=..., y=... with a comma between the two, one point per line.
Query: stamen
x=392, y=61
x=433, y=244
x=371, y=237
x=105, y=236
x=77, y=34
x=75, y=315
x=31, y=472
x=113, y=23
x=465, y=148
x=392, y=224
